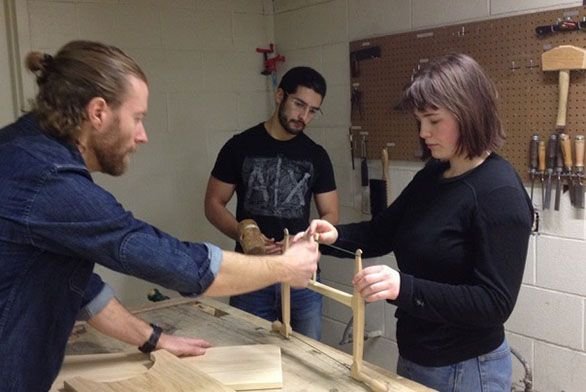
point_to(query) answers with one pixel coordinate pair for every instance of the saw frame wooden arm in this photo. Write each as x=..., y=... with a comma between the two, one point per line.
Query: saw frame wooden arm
x=353, y=301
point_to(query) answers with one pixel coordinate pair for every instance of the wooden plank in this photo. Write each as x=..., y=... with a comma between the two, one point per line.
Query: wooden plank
x=308, y=365
x=168, y=373
x=242, y=368
x=102, y=367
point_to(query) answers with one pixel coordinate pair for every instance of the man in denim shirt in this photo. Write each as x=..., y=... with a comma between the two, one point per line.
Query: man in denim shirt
x=55, y=222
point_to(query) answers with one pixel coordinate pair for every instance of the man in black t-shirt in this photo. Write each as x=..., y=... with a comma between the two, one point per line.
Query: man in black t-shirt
x=275, y=169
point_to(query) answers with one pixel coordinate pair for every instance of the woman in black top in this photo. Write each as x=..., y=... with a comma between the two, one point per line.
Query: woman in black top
x=459, y=232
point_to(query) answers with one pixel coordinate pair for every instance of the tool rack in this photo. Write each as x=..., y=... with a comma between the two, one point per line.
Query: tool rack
x=509, y=49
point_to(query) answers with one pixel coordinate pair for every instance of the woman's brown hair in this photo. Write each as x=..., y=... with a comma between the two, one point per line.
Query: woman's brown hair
x=456, y=82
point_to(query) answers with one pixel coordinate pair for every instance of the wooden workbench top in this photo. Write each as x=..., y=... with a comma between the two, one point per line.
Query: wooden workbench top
x=307, y=365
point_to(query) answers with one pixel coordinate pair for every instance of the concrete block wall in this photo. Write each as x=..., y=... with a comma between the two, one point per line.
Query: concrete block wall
x=6, y=89
x=205, y=85
x=548, y=326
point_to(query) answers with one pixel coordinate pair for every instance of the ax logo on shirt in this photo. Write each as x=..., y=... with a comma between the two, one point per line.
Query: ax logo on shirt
x=276, y=186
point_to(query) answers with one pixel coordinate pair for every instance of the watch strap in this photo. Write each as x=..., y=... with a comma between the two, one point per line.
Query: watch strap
x=151, y=343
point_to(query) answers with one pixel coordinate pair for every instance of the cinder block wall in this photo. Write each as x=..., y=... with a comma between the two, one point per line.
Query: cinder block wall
x=6, y=97
x=547, y=326
x=205, y=85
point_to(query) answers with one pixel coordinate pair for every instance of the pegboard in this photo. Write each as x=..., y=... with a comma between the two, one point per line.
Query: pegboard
x=508, y=49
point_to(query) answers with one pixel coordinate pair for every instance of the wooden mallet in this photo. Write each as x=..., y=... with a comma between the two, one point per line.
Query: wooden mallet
x=563, y=58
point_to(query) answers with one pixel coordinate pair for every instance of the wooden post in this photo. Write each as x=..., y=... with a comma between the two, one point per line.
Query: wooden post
x=357, y=322
x=284, y=327
x=353, y=301
x=286, y=295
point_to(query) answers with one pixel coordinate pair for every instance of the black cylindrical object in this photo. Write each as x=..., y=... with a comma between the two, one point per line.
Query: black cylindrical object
x=364, y=172
x=378, y=196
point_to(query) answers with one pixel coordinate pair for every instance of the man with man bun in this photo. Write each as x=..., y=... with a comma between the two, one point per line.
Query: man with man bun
x=56, y=223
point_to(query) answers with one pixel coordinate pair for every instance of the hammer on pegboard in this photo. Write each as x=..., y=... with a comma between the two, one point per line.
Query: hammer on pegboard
x=563, y=58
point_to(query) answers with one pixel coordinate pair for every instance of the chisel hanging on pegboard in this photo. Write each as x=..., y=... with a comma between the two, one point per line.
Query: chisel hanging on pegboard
x=365, y=202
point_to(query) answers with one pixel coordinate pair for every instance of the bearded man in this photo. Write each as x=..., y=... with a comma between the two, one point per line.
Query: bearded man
x=275, y=168
x=55, y=222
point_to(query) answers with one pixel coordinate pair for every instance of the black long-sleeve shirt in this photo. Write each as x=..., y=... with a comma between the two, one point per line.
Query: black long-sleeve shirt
x=461, y=245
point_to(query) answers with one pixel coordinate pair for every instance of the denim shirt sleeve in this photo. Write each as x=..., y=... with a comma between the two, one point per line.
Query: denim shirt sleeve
x=72, y=216
x=95, y=298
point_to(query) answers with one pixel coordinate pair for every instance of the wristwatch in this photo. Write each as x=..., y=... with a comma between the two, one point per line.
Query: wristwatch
x=151, y=344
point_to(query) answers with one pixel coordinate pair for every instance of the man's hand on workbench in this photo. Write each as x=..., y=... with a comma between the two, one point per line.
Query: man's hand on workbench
x=116, y=321
x=182, y=346
x=301, y=261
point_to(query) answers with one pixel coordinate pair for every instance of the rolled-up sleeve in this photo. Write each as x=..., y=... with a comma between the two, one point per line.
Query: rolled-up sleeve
x=215, y=256
x=95, y=298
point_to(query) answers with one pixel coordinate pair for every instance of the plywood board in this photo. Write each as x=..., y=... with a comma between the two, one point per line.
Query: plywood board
x=244, y=367
x=168, y=373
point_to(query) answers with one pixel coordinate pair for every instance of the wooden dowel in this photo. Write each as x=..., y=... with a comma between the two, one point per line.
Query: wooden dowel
x=357, y=323
x=330, y=292
x=286, y=296
x=374, y=384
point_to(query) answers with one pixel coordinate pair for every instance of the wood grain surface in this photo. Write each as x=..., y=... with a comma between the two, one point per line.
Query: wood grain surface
x=168, y=373
x=307, y=365
x=242, y=368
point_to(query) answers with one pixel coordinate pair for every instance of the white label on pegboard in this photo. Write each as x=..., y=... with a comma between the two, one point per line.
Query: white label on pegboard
x=425, y=35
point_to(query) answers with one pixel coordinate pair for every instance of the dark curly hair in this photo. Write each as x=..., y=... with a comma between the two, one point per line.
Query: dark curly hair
x=303, y=76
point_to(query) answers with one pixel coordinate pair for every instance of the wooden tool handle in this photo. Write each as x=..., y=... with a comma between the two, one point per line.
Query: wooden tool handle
x=566, y=151
x=579, y=144
x=250, y=237
x=385, y=162
x=541, y=156
x=564, y=84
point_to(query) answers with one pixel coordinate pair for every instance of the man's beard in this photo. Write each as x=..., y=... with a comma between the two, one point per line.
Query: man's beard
x=111, y=159
x=285, y=122
x=114, y=164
